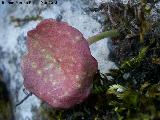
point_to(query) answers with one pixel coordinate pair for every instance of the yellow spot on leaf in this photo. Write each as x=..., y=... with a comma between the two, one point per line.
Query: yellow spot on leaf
x=48, y=66
x=58, y=66
x=77, y=76
x=77, y=38
x=50, y=46
x=64, y=94
x=48, y=57
x=39, y=72
x=60, y=60
x=68, y=33
x=43, y=50
x=45, y=80
x=35, y=44
x=54, y=82
x=78, y=85
x=33, y=64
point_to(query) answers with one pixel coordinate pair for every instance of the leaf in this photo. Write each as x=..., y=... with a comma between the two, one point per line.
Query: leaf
x=135, y=61
x=153, y=91
x=143, y=86
x=114, y=89
x=156, y=60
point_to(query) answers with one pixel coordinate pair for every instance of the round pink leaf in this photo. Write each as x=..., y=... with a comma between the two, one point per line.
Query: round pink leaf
x=58, y=67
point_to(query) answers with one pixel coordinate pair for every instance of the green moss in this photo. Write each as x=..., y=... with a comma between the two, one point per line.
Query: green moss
x=5, y=110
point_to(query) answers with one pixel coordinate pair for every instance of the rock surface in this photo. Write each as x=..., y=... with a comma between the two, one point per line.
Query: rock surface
x=59, y=67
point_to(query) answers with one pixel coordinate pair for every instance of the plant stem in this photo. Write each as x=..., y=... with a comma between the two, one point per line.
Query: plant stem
x=95, y=38
x=25, y=98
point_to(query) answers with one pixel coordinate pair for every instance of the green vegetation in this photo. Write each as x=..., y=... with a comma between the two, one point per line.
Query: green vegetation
x=102, y=35
x=22, y=21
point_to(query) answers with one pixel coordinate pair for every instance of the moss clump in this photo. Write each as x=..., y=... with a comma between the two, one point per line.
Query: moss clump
x=135, y=94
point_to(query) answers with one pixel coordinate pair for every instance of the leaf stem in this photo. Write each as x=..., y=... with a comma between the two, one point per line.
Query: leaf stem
x=26, y=97
x=95, y=38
